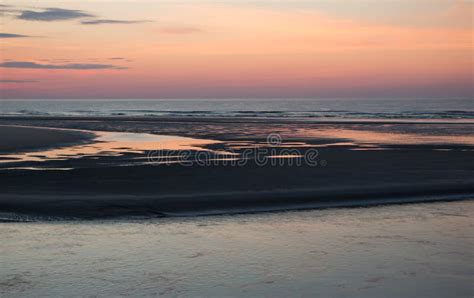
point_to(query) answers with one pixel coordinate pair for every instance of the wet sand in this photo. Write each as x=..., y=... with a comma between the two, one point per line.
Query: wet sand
x=17, y=139
x=126, y=185
x=349, y=179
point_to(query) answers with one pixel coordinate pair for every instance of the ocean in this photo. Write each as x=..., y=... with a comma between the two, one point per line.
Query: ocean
x=309, y=109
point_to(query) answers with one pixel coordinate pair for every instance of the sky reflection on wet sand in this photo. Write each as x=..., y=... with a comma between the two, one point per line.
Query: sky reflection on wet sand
x=371, y=252
x=113, y=144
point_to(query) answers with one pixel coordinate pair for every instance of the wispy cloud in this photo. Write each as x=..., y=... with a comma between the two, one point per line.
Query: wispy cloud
x=78, y=66
x=117, y=58
x=18, y=81
x=11, y=35
x=60, y=14
x=108, y=21
x=180, y=30
x=53, y=14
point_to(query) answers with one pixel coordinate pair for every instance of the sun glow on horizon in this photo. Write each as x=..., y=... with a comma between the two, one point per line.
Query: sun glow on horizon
x=193, y=49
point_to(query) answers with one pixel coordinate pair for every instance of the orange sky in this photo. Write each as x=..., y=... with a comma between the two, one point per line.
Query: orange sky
x=200, y=49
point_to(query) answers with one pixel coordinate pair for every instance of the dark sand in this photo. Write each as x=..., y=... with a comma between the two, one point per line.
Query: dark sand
x=17, y=139
x=350, y=178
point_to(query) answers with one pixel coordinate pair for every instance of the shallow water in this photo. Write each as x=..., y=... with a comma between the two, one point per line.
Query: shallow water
x=112, y=144
x=420, y=250
x=117, y=144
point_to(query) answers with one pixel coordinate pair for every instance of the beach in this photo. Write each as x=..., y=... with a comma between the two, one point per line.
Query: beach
x=119, y=175
x=235, y=206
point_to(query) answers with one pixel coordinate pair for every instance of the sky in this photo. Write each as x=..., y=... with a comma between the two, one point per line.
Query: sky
x=148, y=49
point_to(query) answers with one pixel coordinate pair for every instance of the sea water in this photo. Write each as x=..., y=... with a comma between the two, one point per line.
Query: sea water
x=325, y=109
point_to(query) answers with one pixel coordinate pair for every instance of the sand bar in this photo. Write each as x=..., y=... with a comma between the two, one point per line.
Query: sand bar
x=21, y=138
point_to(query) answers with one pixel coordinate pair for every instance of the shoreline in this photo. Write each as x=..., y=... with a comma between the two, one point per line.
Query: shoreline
x=115, y=207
